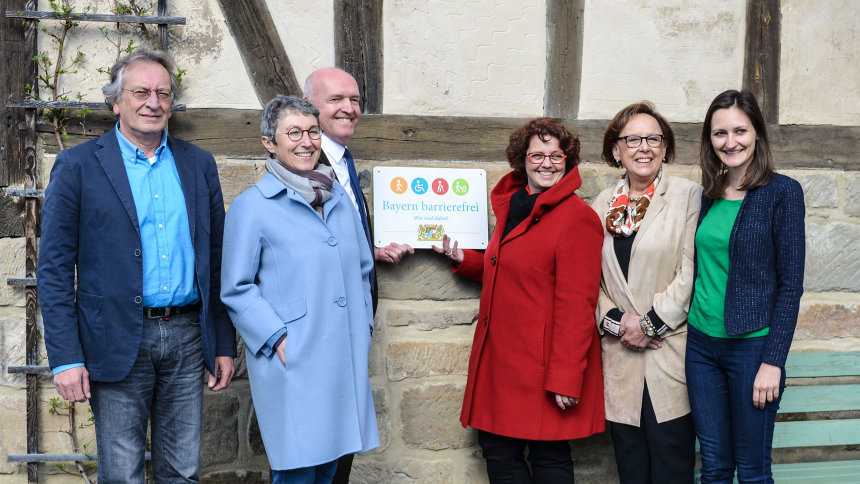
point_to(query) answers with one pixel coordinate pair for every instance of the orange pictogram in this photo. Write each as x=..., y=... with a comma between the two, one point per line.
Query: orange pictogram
x=399, y=185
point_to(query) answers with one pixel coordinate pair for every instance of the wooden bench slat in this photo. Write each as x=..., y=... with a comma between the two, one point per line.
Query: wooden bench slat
x=820, y=398
x=845, y=472
x=816, y=433
x=815, y=364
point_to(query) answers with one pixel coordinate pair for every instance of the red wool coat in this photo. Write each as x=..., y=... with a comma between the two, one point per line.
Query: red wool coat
x=535, y=334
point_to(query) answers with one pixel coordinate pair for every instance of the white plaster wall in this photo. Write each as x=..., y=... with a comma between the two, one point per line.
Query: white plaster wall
x=452, y=58
x=307, y=32
x=820, y=77
x=678, y=54
x=214, y=77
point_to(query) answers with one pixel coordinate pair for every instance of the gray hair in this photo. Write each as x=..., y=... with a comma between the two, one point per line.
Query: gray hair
x=278, y=107
x=113, y=91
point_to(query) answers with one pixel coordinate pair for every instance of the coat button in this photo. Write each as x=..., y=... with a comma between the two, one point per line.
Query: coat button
x=332, y=241
x=485, y=321
x=536, y=220
x=493, y=260
x=341, y=301
x=137, y=252
x=137, y=299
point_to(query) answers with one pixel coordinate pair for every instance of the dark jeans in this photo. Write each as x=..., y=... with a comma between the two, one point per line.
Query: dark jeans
x=550, y=460
x=655, y=453
x=732, y=432
x=166, y=383
x=319, y=474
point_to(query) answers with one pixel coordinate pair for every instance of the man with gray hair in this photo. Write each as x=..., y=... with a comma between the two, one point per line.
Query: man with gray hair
x=138, y=216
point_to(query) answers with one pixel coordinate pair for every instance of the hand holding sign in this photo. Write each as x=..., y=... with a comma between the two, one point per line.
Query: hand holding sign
x=451, y=252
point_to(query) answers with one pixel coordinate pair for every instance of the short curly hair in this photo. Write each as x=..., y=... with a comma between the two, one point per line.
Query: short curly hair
x=610, y=136
x=544, y=128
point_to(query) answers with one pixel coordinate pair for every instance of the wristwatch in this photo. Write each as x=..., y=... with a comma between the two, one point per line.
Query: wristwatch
x=647, y=326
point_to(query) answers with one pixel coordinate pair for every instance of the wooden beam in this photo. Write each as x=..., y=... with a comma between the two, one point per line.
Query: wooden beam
x=97, y=17
x=266, y=60
x=162, y=28
x=564, y=27
x=761, y=58
x=31, y=220
x=92, y=106
x=234, y=132
x=16, y=49
x=358, y=47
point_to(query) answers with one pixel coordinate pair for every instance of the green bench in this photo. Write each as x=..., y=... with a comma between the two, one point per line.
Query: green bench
x=819, y=383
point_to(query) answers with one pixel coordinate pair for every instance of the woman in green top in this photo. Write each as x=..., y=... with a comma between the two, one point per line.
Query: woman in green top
x=750, y=250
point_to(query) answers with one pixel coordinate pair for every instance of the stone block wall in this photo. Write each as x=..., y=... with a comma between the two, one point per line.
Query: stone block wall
x=421, y=347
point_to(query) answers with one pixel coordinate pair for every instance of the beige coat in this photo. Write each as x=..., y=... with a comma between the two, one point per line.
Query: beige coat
x=660, y=277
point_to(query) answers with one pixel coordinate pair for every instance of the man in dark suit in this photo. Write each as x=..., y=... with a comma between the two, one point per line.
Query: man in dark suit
x=335, y=93
x=139, y=216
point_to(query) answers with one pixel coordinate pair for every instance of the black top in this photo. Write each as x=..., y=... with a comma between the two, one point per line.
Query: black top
x=522, y=204
x=623, y=248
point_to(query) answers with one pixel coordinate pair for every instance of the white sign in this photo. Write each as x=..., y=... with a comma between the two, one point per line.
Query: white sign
x=417, y=206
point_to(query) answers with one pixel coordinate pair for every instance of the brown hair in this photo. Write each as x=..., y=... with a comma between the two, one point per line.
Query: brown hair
x=714, y=172
x=610, y=136
x=544, y=128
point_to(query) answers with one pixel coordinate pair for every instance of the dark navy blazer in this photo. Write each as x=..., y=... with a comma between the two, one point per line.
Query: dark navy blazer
x=767, y=252
x=89, y=223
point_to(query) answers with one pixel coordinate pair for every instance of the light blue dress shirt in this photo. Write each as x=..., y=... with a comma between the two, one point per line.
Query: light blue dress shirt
x=168, y=256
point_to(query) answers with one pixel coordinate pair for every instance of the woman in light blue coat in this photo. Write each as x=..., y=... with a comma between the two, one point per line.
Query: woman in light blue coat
x=295, y=280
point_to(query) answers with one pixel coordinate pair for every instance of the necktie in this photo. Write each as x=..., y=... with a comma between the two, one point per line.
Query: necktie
x=356, y=190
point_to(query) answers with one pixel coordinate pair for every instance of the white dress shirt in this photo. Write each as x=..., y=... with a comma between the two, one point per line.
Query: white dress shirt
x=334, y=152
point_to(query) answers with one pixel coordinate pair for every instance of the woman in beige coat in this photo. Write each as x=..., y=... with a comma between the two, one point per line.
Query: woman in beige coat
x=647, y=277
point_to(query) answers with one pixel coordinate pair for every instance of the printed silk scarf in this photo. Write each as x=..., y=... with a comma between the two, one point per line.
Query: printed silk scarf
x=622, y=220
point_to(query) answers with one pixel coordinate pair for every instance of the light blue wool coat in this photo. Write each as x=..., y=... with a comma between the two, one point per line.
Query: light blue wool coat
x=283, y=265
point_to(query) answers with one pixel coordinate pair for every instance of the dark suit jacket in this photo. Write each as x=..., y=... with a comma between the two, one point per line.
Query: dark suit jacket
x=89, y=223
x=767, y=251
x=374, y=287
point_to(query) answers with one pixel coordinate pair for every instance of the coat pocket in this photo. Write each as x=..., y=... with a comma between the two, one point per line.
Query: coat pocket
x=292, y=310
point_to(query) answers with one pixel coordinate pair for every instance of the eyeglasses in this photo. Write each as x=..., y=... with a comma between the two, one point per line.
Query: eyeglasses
x=633, y=141
x=296, y=134
x=555, y=158
x=142, y=94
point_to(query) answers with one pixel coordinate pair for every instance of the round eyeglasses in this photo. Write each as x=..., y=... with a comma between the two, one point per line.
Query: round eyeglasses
x=296, y=134
x=555, y=158
x=633, y=141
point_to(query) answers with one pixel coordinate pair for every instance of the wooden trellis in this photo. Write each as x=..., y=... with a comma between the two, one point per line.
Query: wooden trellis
x=31, y=194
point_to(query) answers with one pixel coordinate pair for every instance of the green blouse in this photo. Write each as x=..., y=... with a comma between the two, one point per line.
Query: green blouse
x=707, y=311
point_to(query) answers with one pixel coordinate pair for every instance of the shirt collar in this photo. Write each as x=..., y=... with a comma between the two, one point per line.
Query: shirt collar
x=134, y=154
x=333, y=151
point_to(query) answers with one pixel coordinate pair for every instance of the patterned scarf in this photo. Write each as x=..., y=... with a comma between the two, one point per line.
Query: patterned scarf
x=621, y=219
x=313, y=185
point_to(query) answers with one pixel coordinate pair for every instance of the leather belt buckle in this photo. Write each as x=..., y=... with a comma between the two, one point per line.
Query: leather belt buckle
x=156, y=313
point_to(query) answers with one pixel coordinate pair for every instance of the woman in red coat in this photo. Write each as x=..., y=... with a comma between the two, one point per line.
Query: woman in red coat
x=534, y=374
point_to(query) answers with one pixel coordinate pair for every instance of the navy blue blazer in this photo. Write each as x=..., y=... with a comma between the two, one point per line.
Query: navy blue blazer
x=89, y=223
x=767, y=254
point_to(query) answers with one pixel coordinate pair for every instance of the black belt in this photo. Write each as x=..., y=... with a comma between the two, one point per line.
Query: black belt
x=167, y=311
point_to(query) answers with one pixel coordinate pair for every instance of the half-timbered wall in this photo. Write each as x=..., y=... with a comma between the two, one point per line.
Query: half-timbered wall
x=446, y=82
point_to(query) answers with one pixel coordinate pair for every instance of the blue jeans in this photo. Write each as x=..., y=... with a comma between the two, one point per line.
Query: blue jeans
x=320, y=474
x=732, y=432
x=166, y=385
